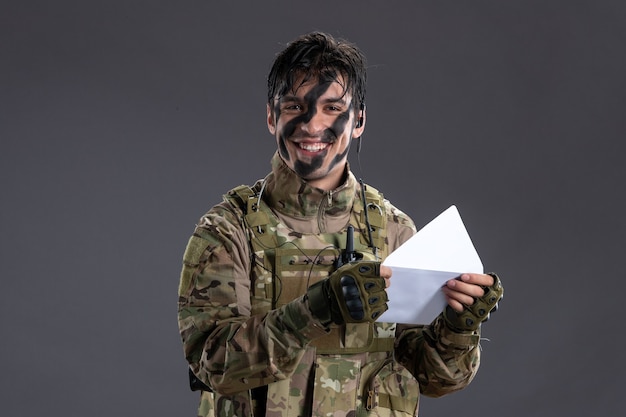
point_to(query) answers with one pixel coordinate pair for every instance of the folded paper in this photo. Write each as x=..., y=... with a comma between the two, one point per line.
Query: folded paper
x=440, y=251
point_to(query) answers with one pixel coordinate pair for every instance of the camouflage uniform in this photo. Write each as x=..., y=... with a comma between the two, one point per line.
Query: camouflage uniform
x=247, y=329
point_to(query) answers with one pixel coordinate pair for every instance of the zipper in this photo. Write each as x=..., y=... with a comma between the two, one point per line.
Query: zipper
x=322, y=208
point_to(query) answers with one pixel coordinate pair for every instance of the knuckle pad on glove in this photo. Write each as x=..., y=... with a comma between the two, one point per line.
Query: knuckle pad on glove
x=360, y=291
x=479, y=311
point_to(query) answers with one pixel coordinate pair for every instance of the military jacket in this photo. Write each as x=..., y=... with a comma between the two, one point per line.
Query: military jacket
x=247, y=330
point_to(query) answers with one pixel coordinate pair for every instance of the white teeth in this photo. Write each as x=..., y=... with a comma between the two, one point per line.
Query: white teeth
x=313, y=147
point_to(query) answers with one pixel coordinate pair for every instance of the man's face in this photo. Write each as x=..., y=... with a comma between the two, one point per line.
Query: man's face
x=314, y=125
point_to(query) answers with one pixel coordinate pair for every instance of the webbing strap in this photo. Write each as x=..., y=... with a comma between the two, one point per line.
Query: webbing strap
x=332, y=343
x=396, y=403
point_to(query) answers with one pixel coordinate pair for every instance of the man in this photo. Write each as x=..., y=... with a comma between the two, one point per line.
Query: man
x=282, y=285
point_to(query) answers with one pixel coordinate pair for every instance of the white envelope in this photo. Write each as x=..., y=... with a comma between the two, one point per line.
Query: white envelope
x=440, y=251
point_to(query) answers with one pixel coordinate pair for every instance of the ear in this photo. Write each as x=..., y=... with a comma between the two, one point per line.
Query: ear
x=271, y=123
x=359, y=123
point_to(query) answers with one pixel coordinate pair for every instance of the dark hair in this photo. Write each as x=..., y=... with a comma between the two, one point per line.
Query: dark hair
x=318, y=54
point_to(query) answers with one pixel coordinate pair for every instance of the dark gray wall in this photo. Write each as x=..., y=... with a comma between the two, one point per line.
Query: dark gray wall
x=121, y=122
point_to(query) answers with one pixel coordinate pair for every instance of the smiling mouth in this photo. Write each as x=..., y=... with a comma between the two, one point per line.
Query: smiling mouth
x=313, y=147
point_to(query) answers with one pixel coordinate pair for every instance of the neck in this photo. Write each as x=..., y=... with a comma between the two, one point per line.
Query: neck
x=331, y=181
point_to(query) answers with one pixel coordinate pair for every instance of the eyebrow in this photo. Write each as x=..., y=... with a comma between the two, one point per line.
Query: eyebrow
x=291, y=98
x=339, y=100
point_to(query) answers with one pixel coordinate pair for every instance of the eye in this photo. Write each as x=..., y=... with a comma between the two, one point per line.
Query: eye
x=292, y=108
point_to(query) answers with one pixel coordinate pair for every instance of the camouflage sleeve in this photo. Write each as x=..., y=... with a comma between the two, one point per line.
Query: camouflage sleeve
x=442, y=360
x=400, y=227
x=226, y=347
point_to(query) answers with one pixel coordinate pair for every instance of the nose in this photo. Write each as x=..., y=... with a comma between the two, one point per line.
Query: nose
x=315, y=125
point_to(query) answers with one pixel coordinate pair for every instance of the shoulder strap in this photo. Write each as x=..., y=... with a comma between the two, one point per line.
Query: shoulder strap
x=256, y=217
x=372, y=212
x=239, y=196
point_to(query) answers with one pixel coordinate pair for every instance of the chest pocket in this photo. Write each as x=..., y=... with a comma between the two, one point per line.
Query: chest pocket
x=280, y=275
x=295, y=270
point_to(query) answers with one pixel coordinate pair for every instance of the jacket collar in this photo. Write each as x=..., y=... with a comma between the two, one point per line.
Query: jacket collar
x=290, y=195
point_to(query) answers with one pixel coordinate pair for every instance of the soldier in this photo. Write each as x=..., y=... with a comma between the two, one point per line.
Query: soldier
x=282, y=283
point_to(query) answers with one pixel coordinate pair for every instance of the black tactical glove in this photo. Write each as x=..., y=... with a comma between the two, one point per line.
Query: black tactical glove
x=354, y=293
x=471, y=317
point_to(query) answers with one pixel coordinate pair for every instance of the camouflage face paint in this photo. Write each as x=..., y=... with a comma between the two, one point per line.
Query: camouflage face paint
x=335, y=134
x=310, y=99
x=330, y=135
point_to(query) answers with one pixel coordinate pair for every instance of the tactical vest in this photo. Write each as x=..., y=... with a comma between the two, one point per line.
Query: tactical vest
x=349, y=371
x=285, y=263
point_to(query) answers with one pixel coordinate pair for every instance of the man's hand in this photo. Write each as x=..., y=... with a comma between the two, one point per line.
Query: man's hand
x=471, y=298
x=354, y=293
